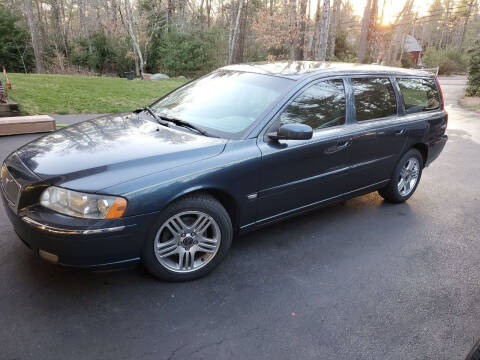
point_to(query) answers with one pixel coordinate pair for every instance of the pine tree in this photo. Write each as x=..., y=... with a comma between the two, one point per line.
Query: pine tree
x=473, y=88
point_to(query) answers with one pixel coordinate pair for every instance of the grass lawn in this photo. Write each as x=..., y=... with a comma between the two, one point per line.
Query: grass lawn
x=74, y=94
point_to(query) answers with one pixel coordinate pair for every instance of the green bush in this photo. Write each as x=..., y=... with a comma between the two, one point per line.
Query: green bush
x=473, y=88
x=407, y=61
x=102, y=54
x=16, y=52
x=344, y=51
x=448, y=60
x=448, y=67
x=183, y=53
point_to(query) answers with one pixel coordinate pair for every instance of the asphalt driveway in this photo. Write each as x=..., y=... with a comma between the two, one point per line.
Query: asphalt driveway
x=358, y=280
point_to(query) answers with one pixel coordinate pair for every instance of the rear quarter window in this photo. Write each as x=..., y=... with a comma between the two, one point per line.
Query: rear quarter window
x=374, y=98
x=419, y=94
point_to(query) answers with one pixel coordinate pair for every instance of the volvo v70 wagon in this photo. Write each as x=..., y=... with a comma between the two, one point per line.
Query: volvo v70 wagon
x=170, y=185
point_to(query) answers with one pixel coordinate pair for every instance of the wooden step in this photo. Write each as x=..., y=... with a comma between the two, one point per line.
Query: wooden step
x=26, y=124
x=8, y=106
x=10, y=114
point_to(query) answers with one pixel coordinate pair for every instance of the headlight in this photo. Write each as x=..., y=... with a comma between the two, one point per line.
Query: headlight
x=83, y=205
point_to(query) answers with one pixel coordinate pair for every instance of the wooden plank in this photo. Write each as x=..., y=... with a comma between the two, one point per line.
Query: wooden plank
x=8, y=106
x=10, y=114
x=26, y=124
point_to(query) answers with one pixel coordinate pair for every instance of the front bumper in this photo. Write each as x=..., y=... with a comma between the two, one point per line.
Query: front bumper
x=82, y=243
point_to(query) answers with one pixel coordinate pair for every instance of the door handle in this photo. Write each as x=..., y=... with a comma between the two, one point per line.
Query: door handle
x=400, y=132
x=344, y=144
x=339, y=146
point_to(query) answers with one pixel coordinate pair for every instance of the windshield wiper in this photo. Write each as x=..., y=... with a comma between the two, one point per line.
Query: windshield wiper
x=183, y=123
x=155, y=116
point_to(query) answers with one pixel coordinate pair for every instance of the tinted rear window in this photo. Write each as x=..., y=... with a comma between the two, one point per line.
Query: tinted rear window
x=419, y=94
x=374, y=98
x=320, y=106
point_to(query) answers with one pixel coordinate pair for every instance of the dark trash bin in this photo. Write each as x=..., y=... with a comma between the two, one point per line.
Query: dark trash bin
x=129, y=75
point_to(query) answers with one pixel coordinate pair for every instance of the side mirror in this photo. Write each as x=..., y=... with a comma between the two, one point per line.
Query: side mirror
x=292, y=132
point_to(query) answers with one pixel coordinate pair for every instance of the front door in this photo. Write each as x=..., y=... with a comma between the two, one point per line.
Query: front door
x=297, y=173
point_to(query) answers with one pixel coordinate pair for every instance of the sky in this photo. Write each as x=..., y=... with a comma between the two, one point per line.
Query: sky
x=392, y=8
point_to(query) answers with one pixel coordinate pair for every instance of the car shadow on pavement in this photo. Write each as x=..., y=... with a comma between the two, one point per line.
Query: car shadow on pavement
x=325, y=226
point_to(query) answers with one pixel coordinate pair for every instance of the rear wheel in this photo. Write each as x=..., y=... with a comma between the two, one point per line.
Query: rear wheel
x=190, y=238
x=405, y=179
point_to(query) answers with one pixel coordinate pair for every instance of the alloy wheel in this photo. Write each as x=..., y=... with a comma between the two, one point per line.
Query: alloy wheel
x=408, y=176
x=187, y=241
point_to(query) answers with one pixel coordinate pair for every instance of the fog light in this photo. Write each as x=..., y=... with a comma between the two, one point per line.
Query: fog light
x=48, y=256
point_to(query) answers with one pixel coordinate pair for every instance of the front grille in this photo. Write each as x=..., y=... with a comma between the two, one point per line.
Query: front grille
x=10, y=187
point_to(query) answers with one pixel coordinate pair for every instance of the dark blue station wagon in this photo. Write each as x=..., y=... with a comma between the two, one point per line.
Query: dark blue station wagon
x=244, y=146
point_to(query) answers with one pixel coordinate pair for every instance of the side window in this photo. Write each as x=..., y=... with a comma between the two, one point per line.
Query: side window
x=320, y=106
x=419, y=94
x=374, y=98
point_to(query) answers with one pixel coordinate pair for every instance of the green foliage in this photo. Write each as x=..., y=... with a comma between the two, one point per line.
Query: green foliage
x=183, y=53
x=344, y=51
x=102, y=54
x=449, y=60
x=16, y=52
x=67, y=94
x=473, y=88
x=407, y=61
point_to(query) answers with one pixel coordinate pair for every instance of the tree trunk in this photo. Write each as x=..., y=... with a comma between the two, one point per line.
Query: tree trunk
x=33, y=33
x=293, y=27
x=133, y=36
x=230, y=31
x=183, y=14
x=445, y=23
x=209, y=11
x=299, y=55
x=83, y=20
x=316, y=30
x=322, y=44
x=383, y=12
x=83, y=23
x=465, y=23
x=170, y=11
x=41, y=23
x=373, y=39
x=58, y=29
x=333, y=27
x=362, y=44
x=240, y=45
x=234, y=37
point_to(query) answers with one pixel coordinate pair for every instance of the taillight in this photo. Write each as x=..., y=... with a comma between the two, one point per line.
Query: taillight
x=442, y=99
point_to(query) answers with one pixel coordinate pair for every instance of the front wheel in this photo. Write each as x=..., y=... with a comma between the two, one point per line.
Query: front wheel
x=405, y=179
x=189, y=239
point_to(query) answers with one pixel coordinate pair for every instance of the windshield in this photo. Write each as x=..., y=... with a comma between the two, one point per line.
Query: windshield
x=224, y=103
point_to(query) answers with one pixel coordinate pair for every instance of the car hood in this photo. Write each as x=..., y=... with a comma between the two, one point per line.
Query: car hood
x=99, y=153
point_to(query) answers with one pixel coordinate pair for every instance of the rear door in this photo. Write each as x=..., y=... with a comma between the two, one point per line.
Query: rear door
x=379, y=133
x=297, y=173
x=423, y=114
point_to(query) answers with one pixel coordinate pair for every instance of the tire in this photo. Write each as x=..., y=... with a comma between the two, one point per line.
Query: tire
x=189, y=239
x=396, y=192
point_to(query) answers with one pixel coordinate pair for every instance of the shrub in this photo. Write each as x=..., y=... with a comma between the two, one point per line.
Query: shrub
x=473, y=88
x=102, y=54
x=183, y=53
x=448, y=67
x=344, y=51
x=448, y=60
x=407, y=61
x=16, y=52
